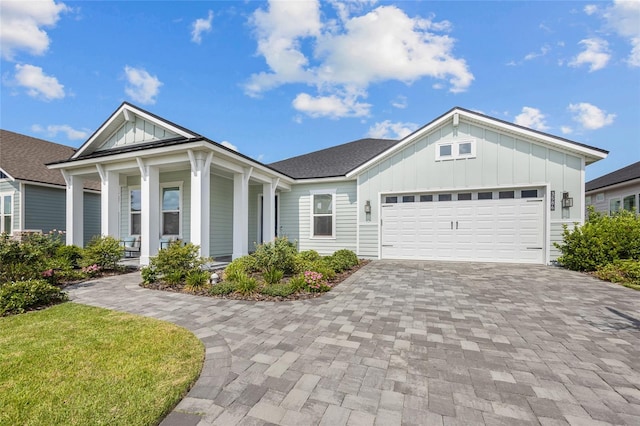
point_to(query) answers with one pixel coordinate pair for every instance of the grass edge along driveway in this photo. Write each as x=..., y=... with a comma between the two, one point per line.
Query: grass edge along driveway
x=73, y=364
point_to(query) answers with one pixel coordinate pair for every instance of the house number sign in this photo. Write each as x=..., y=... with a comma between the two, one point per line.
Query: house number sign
x=553, y=201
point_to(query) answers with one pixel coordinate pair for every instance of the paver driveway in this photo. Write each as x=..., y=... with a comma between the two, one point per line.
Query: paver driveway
x=410, y=343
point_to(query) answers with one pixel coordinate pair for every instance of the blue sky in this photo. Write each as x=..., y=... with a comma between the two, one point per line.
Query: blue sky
x=277, y=79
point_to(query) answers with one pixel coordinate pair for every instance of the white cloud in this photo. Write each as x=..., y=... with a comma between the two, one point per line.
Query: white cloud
x=388, y=130
x=229, y=145
x=37, y=83
x=400, y=102
x=332, y=106
x=351, y=53
x=590, y=9
x=566, y=130
x=542, y=52
x=52, y=130
x=532, y=118
x=624, y=18
x=595, y=54
x=21, y=25
x=141, y=86
x=590, y=116
x=200, y=26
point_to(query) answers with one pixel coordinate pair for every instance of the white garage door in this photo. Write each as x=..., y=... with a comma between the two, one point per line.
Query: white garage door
x=502, y=230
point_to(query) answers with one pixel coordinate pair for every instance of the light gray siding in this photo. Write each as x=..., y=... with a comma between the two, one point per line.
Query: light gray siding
x=295, y=216
x=91, y=216
x=606, y=195
x=13, y=188
x=557, y=229
x=44, y=208
x=368, y=247
x=221, y=208
x=501, y=161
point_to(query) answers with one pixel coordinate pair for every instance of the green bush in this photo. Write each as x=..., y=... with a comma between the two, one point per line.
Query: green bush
x=600, y=241
x=297, y=283
x=321, y=266
x=18, y=261
x=21, y=296
x=309, y=255
x=197, y=279
x=238, y=267
x=626, y=272
x=278, y=254
x=44, y=245
x=149, y=274
x=342, y=260
x=246, y=285
x=174, y=277
x=272, y=276
x=278, y=290
x=104, y=252
x=177, y=260
x=223, y=288
x=73, y=254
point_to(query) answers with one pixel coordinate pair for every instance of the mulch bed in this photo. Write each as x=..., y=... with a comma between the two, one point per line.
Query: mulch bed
x=255, y=297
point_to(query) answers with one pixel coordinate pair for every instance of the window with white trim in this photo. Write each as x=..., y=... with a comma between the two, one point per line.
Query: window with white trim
x=171, y=204
x=323, y=214
x=6, y=213
x=614, y=205
x=456, y=150
x=629, y=203
x=135, y=211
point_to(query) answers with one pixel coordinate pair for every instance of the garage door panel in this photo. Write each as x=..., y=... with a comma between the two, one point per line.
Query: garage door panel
x=507, y=230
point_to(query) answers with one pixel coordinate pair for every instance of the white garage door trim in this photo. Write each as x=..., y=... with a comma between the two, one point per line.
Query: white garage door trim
x=496, y=230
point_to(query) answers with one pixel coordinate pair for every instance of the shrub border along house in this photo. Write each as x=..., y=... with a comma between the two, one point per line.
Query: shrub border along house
x=275, y=271
x=607, y=246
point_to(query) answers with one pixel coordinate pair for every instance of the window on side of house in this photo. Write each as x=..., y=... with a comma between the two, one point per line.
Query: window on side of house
x=614, y=205
x=323, y=215
x=456, y=150
x=408, y=198
x=171, y=204
x=629, y=203
x=529, y=193
x=445, y=151
x=599, y=197
x=135, y=209
x=6, y=213
x=587, y=200
x=426, y=198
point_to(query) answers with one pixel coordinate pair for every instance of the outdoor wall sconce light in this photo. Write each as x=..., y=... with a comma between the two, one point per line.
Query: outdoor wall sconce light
x=566, y=200
x=367, y=207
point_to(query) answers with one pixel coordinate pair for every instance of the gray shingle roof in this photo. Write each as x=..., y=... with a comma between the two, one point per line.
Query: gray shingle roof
x=624, y=174
x=335, y=161
x=24, y=158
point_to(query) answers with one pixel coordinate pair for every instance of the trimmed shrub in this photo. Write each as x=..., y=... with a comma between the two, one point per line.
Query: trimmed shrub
x=626, y=272
x=197, y=279
x=309, y=255
x=278, y=254
x=223, y=288
x=21, y=296
x=19, y=262
x=278, y=290
x=72, y=254
x=272, y=276
x=104, y=252
x=600, y=241
x=342, y=260
x=174, y=262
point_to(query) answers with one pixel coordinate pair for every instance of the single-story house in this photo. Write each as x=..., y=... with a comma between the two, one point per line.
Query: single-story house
x=617, y=190
x=463, y=187
x=32, y=196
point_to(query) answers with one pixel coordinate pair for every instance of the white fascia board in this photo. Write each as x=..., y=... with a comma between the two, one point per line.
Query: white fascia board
x=614, y=186
x=127, y=113
x=325, y=180
x=11, y=178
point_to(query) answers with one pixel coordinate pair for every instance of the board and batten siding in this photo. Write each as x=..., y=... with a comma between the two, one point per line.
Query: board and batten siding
x=502, y=161
x=138, y=131
x=221, y=210
x=13, y=188
x=295, y=216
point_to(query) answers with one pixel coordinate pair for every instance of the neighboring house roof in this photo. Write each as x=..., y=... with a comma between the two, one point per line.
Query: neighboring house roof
x=24, y=157
x=334, y=161
x=622, y=175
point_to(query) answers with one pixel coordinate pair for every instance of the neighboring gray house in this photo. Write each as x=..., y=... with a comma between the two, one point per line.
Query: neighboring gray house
x=617, y=190
x=463, y=187
x=32, y=197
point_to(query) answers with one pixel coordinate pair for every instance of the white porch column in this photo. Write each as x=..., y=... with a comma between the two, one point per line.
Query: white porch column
x=75, y=209
x=149, y=214
x=269, y=210
x=241, y=213
x=200, y=195
x=109, y=202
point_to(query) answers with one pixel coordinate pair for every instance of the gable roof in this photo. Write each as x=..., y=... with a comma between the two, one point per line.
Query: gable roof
x=590, y=153
x=24, y=157
x=622, y=175
x=335, y=161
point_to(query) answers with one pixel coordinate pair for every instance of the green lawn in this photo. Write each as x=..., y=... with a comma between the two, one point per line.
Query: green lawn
x=77, y=365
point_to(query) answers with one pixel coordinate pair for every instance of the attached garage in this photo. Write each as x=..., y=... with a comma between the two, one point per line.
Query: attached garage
x=486, y=226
